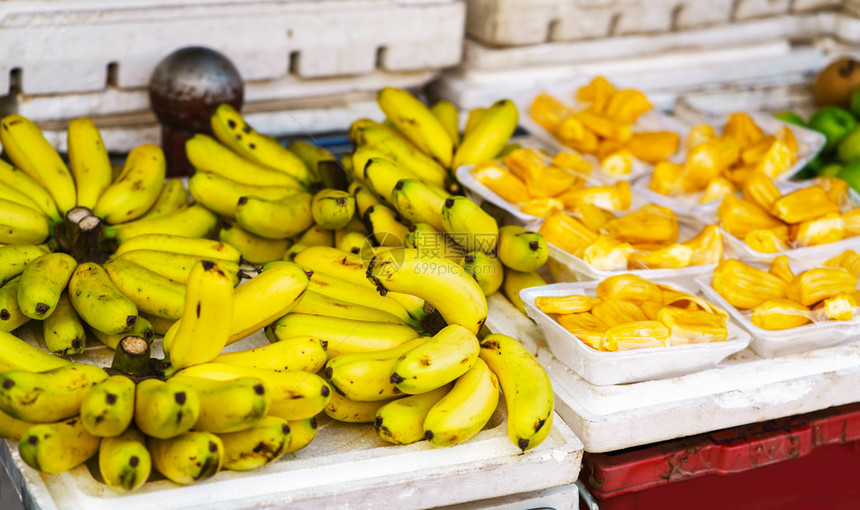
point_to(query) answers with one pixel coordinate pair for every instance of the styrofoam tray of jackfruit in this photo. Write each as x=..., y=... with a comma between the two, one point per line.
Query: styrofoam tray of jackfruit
x=622, y=367
x=769, y=344
x=345, y=466
x=567, y=267
x=738, y=248
x=809, y=144
x=652, y=120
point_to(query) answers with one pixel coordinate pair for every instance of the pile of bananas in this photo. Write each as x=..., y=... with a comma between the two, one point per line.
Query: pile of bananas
x=524, y=178
x=644, y=239
x=770, y=222
x=717, y=165
x=603, y=126
x=630, y=312
x=779, y=299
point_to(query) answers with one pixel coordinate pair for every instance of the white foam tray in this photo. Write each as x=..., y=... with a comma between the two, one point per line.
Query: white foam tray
x=345, y=466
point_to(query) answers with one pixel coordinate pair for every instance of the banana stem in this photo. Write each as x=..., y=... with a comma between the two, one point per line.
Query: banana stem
x=87, y=240
x=132, y=357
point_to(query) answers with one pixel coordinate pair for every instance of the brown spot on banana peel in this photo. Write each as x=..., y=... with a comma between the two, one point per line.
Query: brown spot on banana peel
x=259, y=389
x=324, y=391
x=8, y=384
x=395, y=378
x=42, y=308
x=523, y=444
x=133, y=461
x=110, y=398
x=179, y=397
x=5, y=315
x=534, y=245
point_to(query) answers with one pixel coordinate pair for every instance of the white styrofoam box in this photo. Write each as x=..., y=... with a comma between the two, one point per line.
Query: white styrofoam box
x=346, y=465
x=558, y=498
x=606, y=368
x=738, y=248
x=757, y=8
x=69, y=48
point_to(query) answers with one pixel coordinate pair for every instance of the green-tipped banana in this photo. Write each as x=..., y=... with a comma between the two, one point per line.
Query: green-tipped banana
x=187, y=458
x=142, y=328
x=221, y=195
x=22, y=182
x=469, y=226
x=292, y=251
x=63, y=331
x=228, y=406
x=343, y=336
x=193, y=221
x=16, y=354
x=305, y=353
x=265, y=442
x=382, y=174
x=88, y=161
x=253, y=248
x=486, y=269
x=42, y=283
x=302, y=432
x=137, y=187
x=526, y=387
x=417, y=123
x=332, y=209
x=57, y=447
x=163, y=410
x=49, y=396
x=205, y=153
x=172, y=198
x=447, y=115
x=176, y=266
x=124, y=460
x=366, y=376
x=515, y=281
x=436, y=362
x=20, y=224
x=11, y=317
x=522, y=250
x=316, y=236
x=418, y=203
x=384, y=228
x=107, y=410
x=489, y=135
x=343, y=409
x=203, y=248
x=402, y=421
x=275, y=219
x=148, y=290
x=15, y=257
x=465, y=410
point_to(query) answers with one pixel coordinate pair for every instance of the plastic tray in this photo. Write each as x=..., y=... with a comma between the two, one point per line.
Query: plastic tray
x=770, y=344
x=605, y=368
x=707, y=213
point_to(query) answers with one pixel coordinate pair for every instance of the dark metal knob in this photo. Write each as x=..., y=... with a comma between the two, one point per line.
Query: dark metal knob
x=184, y=90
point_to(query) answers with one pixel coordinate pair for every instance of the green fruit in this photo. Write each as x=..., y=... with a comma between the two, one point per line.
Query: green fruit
x=791, y=118
x=851, y=175
x=854, y=103
x=834, y=123
x=811, y=169
x=830, y=170
x=849, y=148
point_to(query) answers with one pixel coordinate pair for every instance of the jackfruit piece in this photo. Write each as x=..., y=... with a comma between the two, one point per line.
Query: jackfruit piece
x=627, y=105
x=840, y=308
x=673, y=256
x=848, y=260
x=570, y=129
x=804, y=204
x=592, y=216
x=606, y=147
x=605, y=126
x=757, y=151
x=607, y=253
x=717, y=189
x=768, y=240
x=547, y=111
x=618, y=163
x=636, y=335
x=629, y=287
x=761, y=190
x=744, y=286
x=654, y=146
x=666, y=178
x=851, y=221
x=549, y=181
x=520, y=161
x=824, y=230
x=587, y=144
x=568, y=234
x=683, y=300
x=707, y=246
x=781, y=268
x=743, y=129
x=707, y=161
x=810, y=287
x=573, y=162
x=606, y=197
x=786, y=136
x=501, y=182
x=836, y=189
x=779, y=314
x=652, y=224
x=586, y=327
x=541, y=206
x=777, y=160
x=597, y=92
x=651, y=309
x=699, y=135
x=693, y=326
x=739, y=217
x=566, y=304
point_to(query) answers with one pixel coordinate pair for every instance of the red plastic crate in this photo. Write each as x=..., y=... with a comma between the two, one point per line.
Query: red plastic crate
x=802, y=462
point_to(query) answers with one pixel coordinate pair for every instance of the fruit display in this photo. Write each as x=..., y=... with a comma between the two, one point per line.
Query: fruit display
x=603, y=124
x=777, y=298
x=630, y=312
x=717, y=165
x=647, y=238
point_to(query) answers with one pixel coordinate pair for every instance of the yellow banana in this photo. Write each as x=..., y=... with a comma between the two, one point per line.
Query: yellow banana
x=330, y=286
x=316, y=236
x=163, y=410
x=172, y=198
x=332, y=209
x=489, y=135
x=327, y=306
x=344, y=336
x=149, y=291
x=311, y=155
x=382, y=174
x=265, y=442
x=253, y=248
x=88, y=161
x=440, y=282
x=12, y=429
x=124, y=460
x=142, y=328
x=487, y=270
x=159, y=325
x=365, y=198
x=469, y=225
x=10, y=193
x=233, y=130
x=20, y=224
x=475, y=116
x=220, y=194
x=16, y=354
x=445, y=357
x=366, y=376
x=522, y=250
x=15, y=257
x=11, y=317
x=526, y=387
x=305, y=353
x=203, y=248
x=64, y=333
x=52, y=395
x=384, y=228
x=447, y=115
x=42, y=283
x=265, y=297
x=465, y=410
x=295, y=395
x=191, y=221
x=515, y=281
x=187, y=458
x=275, y=219
x=343, y=409
x=228, y=406
x=57, y=447
x=137, y=187
x=361, y=157
x=27, y=148
x=207, y=315
x=205, y=153
x=417, y=123
x=176, y=266
x=350, y=241
x=99, y=302
x=402, y=421
x=108, y=408
x=22, y=182
x=302, y=432
x=418, y=203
